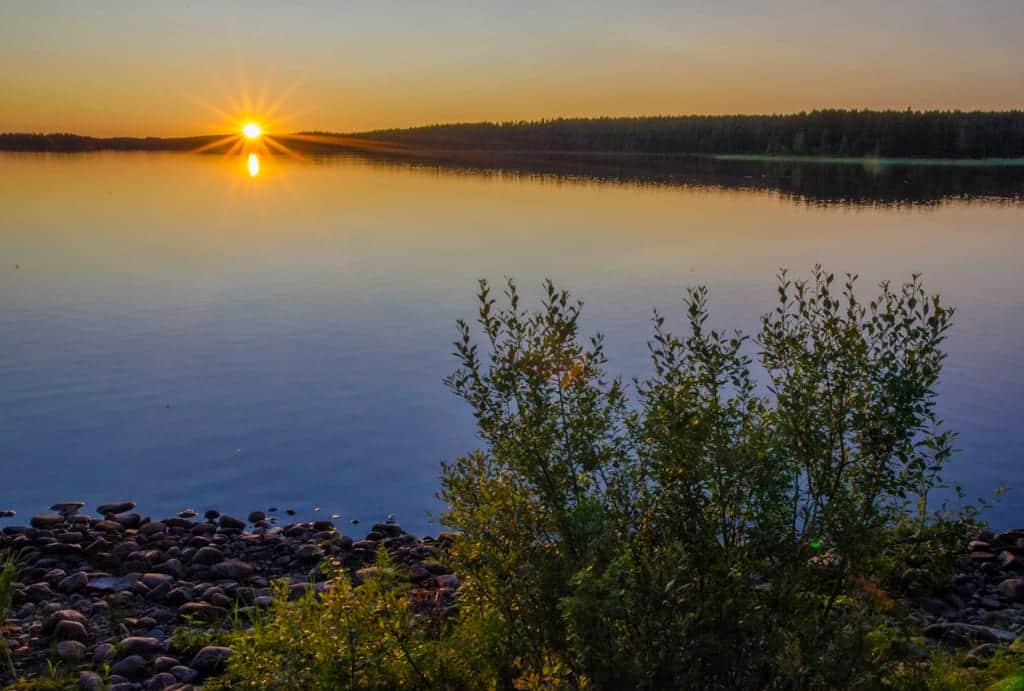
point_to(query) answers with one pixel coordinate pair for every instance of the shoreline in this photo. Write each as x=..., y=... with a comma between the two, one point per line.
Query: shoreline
x=126, y=602
x=109, y=592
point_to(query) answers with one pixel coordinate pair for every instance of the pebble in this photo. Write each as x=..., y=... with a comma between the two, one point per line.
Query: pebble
x=115, y=508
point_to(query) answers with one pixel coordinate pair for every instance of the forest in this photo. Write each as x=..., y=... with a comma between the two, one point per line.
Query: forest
x=834, y=133
x=932, y=134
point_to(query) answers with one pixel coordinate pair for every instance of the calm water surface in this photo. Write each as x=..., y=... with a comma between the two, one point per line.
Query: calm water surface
x=180, y=332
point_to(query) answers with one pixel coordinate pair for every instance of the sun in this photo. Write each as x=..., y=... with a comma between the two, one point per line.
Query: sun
x=252, y=130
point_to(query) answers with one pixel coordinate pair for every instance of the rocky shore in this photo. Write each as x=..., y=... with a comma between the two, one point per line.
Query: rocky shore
x=123, y=602
x=108, y=597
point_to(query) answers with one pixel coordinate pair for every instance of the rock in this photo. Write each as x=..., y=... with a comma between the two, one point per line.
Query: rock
x=71, y=651
x=67, y=630
x=131, y=520
x=141, y=645
x=164, y=663
x=208, y=556
x=67, y=508
x=187, y=513
x=257, y=516
x=202, y=610
x=132, y=667
x=90, y=681
x=231, y=523
x=74, y=583
x=160, y=682
x=8, y=513
x=961, y=633
x=63, y=615
x=1011, y=561
x=104, y=652
x=115, y=508
x=47, y=520
x=211, y=659
x=233, y=569
x=309, y=553
x=1012, y=589
x=152, y=580
x=153, y=528
x=448, y=580
x=212, y=514
x=186, y=675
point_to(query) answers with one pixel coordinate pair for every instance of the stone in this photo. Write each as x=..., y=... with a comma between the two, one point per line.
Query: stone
x=47, y=520
x=67, y=508
x=187, y=513
x=1011, y=561
x=309, y=553
x=153, y=528
x=164, y=663
x=231, y=523
x=233, y=569
x=132, y=667
x=141, y=645
x=1012, y=589
x=67, y=630
x=90, y=681
x=961, y=633
x=104, y=652
x=63, y=615
x=185, y=675
x=211, y=659
x=130, y=520
x=212, y=514
x=152, y=580
x=71, y=651
x=202, y=610
x=8, y=513
x=207, y=556
x=448, y=580
x=160, y=682
x=257, y=516
x=115, y=508
x=74, y=583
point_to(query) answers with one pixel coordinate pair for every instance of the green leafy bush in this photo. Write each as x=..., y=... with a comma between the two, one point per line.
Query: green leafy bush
x=710, y=535
x=709, y=532
x=349, y=637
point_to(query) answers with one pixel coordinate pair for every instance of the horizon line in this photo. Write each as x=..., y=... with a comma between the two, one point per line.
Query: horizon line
x=535, y=121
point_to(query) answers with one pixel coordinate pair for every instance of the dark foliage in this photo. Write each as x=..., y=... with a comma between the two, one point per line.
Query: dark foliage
x=946, y=134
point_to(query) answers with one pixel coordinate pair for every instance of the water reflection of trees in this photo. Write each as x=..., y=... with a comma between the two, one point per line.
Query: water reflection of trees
x=813, y=183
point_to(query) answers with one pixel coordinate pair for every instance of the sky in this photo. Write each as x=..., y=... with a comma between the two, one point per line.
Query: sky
x=181, y=67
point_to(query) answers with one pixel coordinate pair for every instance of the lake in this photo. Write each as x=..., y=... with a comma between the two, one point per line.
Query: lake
x=199, y=331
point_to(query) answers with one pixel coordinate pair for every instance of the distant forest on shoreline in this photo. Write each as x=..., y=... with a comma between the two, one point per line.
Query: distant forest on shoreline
x=841, y=133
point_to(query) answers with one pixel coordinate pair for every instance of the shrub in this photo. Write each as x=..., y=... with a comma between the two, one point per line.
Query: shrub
x=711, y=534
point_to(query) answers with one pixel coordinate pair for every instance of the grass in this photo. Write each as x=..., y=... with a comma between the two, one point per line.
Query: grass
x=875, y=162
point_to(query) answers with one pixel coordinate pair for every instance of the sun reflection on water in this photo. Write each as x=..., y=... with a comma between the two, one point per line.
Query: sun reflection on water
x=254, y=165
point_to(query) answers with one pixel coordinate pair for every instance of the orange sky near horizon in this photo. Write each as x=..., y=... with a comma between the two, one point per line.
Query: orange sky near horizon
x=153, y=68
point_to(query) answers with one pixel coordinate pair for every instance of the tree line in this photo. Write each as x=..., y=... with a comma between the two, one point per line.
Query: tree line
x=937, y=134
